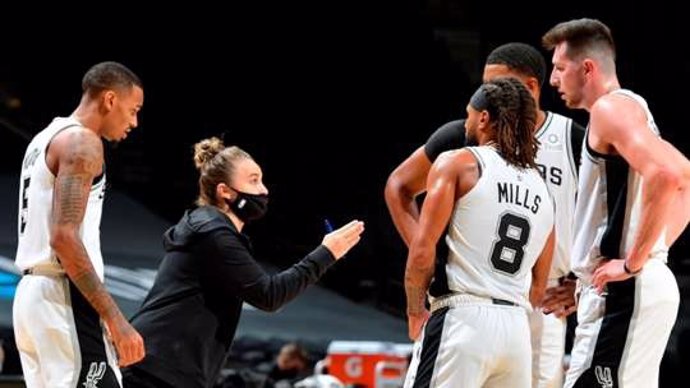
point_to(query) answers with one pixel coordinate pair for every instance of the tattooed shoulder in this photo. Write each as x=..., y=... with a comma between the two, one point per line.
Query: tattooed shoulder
x=82, y=152
x=81, y=159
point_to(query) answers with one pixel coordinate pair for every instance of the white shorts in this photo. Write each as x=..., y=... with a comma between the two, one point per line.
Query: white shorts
x=548, y=348
x=621, y=336
x=473, y=344
x=60, y=338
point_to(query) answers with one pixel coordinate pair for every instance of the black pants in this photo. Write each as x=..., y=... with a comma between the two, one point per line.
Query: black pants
x=136, y=378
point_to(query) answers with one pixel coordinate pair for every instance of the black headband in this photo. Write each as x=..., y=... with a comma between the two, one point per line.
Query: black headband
x=479, y=100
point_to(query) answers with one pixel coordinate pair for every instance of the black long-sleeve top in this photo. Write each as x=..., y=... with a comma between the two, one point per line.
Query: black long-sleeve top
x=189, y=318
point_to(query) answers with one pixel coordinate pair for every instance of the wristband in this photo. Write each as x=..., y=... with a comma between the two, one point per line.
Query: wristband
x=628, y=271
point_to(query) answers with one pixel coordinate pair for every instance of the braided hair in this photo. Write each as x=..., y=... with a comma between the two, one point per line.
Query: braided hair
x=513, y=115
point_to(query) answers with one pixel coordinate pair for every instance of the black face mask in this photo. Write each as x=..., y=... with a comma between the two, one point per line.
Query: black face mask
x=249, y=207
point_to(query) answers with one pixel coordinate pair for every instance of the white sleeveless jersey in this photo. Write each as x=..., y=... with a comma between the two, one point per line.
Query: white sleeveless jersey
x=36, y=189
x=607, y=215
x=498, y=230
x=556, y=163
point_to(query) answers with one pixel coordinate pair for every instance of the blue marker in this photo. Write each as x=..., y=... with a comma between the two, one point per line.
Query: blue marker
x=327, y=224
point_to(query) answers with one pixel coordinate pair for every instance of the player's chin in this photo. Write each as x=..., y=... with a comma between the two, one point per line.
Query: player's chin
x=121, y=137
x=115, y=139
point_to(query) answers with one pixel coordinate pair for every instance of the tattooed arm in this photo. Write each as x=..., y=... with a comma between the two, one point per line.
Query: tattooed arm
x=452, y=174
x=76, y=156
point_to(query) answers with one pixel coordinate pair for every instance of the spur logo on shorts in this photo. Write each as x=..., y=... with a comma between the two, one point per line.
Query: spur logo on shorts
x=96, y=373
x=603, y=375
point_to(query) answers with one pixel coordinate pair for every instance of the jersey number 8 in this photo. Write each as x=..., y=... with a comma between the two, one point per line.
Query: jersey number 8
x=509, y=249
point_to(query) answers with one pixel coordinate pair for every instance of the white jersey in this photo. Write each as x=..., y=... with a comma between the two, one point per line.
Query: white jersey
x=607, y=215
x=498, y=230
x=557, y=165
x=36, y=190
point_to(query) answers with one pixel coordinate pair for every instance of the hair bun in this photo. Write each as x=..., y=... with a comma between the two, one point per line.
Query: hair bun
x=206, y=150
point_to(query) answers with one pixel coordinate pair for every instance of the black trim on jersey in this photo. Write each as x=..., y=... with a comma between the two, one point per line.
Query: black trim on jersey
x=547, y=121
x=577, y=138
x=95, y=369
x=433, y=332
x=616, y=202
x=597, y=154
x=99, y=178
x=96, y=180
x=612, y=337
x=449, y=136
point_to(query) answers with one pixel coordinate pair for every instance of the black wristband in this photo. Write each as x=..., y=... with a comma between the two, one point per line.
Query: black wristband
x=628, y=271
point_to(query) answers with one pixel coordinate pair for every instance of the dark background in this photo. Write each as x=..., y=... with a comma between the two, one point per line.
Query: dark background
x=327, y=96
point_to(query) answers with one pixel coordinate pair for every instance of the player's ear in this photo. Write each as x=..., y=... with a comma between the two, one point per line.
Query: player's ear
x=588, y=66
x=533, y=86
x=108, y=99
x=484, y=118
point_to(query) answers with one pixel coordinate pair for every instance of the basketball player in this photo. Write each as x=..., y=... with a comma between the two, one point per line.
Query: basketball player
x=501, y=243
x=633, y=204
x=64, y=319
x=557, y=160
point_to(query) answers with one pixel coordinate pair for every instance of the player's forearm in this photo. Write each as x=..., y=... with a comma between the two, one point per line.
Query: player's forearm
x=679, y=217
x=77, y=265
x=404, y=213
x=537, y=289
x=658, y=193
x=540, y=271
x=407, y=223
x=418, y=274
x=416, y=297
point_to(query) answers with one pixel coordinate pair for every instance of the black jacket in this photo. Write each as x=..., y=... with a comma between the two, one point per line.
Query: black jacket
x=189, y=318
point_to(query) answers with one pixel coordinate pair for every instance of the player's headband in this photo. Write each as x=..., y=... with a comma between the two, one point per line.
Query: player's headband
x=479, y=100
